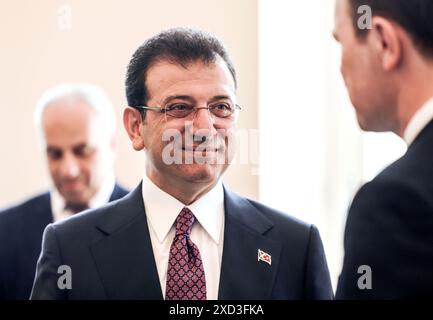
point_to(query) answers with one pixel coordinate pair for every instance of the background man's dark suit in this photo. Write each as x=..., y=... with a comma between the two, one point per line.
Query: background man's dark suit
x=110, y=254
x=21, y=229
x=390, y=228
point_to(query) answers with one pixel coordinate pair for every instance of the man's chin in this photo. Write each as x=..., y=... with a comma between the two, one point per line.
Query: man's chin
x=372, y=126
x=74, y=197
x=200, y=173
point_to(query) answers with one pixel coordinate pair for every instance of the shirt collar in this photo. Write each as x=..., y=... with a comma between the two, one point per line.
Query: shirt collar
x=418, y=122
x=162, y=209
x=100, y=198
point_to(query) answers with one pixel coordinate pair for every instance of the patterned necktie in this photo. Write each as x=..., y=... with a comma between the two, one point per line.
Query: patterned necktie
x=185, y=273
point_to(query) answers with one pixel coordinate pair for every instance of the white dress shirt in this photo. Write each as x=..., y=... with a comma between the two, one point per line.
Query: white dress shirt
x=418, y=122
x=207, y=232
x=100, y=198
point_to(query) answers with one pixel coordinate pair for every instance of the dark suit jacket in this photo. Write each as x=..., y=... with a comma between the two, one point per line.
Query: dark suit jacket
x=110, y=254
x=21, y=229
x=390, y=228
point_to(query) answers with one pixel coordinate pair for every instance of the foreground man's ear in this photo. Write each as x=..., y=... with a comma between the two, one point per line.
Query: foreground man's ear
x=132, y=121
x=388, y=43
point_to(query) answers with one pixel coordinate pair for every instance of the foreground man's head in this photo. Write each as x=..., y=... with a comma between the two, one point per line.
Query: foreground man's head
x=181, y=91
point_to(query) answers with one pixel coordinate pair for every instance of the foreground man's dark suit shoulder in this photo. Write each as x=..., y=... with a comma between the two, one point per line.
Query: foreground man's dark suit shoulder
x=390, y=229
x=110, y=254
x=21, y=229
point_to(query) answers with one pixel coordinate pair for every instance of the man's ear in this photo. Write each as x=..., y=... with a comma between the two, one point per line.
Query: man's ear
x=387, y=42
x=132, y=121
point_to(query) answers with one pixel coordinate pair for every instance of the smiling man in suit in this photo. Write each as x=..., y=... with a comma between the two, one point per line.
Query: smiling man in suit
x=76, y=125
x=388, y=70
x=181, y=234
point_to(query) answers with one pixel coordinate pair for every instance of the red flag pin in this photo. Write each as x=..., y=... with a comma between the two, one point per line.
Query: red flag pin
x=263, y=256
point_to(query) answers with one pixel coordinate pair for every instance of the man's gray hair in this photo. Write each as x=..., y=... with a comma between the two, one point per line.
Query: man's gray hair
x=91, y=94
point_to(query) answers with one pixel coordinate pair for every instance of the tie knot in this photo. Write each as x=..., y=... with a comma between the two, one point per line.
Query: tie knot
x=184, y=222
x=76, y=207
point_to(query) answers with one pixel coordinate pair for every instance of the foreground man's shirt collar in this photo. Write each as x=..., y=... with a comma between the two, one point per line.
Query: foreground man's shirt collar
x=418, y=122
x=162, y=209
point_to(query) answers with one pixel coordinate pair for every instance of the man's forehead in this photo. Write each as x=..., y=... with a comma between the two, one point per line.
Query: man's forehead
x=68, y=112
x=65, y=141
x=164, y=77
x=65, y=126
x=72, y=146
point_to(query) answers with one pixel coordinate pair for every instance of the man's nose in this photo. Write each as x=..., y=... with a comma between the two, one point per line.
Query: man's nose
x=204, y=120
x=69, y=166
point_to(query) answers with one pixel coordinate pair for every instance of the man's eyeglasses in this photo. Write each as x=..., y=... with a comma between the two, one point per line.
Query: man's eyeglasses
x=222, y=110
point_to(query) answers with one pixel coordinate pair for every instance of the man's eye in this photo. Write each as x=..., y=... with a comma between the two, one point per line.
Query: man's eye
x=82, y=151
x=54, y=154
x=79, y=152
x=179, y=107
x=223, y=106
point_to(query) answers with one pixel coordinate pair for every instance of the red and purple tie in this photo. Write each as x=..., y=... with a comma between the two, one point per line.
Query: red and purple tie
x=185, y=273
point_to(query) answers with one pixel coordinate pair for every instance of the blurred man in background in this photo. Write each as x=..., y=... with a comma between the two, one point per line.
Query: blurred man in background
x=77, y=126
x=388, y=70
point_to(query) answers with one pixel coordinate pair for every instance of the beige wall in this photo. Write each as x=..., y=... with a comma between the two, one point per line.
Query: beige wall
x=46, y=42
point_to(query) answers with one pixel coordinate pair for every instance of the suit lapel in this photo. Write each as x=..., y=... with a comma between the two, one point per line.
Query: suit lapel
x=243, y=275
x=124, y=256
